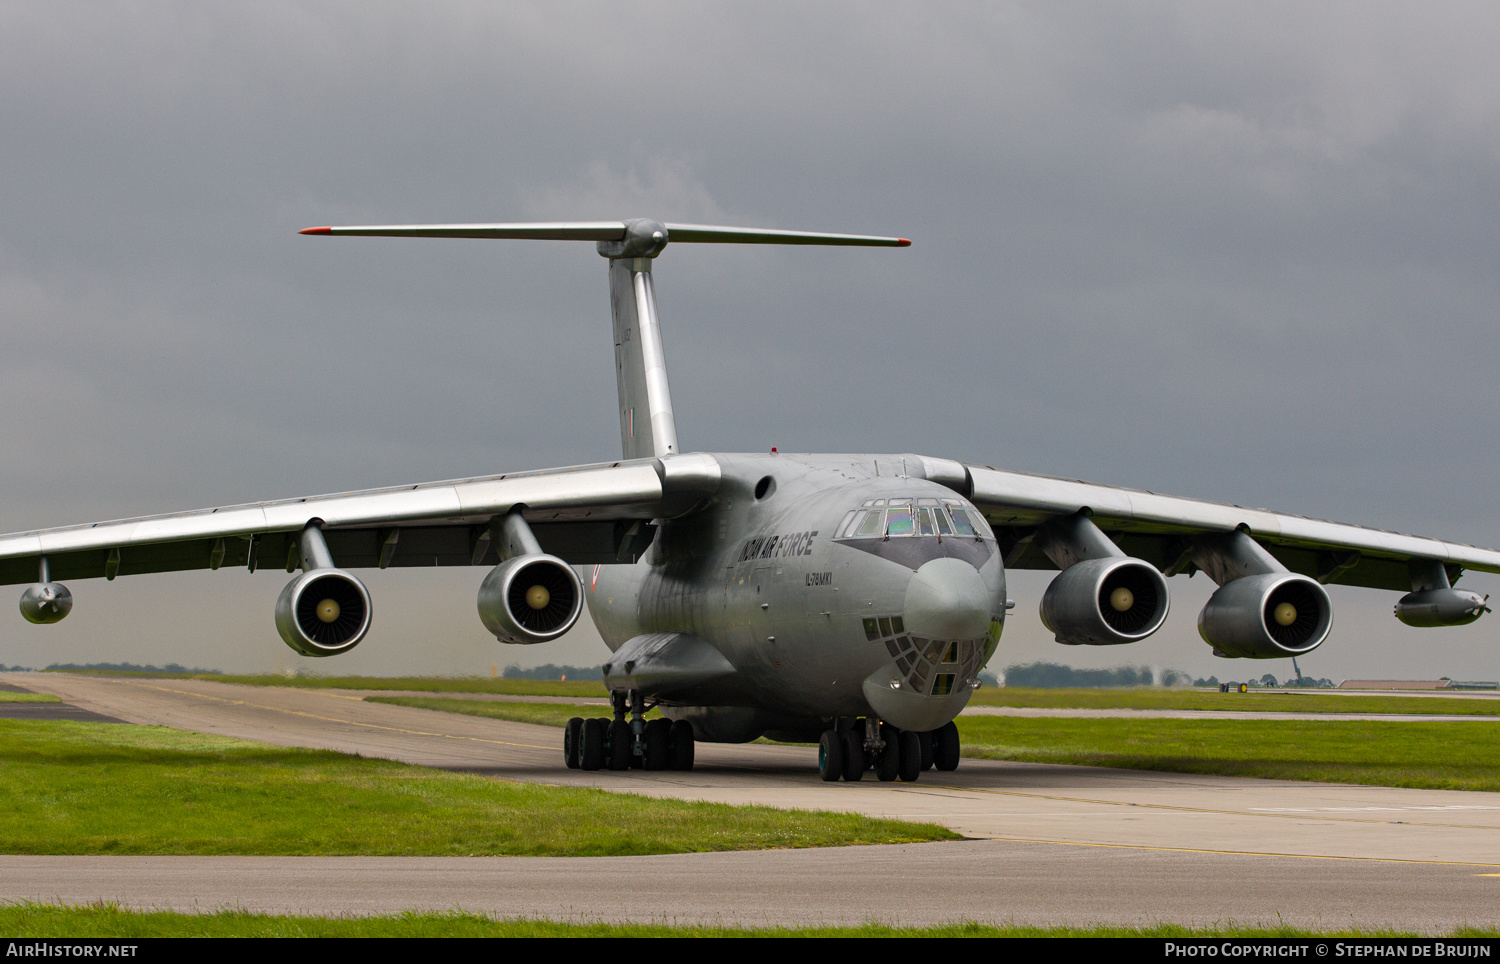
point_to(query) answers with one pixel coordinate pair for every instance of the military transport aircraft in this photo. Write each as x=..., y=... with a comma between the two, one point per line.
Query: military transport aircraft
x=849, y=600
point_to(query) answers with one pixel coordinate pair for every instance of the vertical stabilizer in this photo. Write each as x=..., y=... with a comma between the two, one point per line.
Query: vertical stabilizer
x=647, y=425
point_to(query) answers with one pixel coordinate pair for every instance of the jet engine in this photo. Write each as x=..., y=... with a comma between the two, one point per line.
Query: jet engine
x=1103, y=597
x=531, y=597
x=325, y=611
x=1268, y=616
x=46, y=602
x=1103, y=602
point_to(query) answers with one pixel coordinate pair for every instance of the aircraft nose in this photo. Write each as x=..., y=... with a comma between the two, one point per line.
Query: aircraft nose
x=947, y=599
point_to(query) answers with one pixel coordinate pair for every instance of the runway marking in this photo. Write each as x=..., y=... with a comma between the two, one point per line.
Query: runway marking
x=1361, y=809
x=1266, y=812
x=1246, y=853
x=332, y=719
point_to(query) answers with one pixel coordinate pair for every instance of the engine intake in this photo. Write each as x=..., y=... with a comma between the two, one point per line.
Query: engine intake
x=531, y=598
x=1105, y=602
x=1268, y=616
x=325, y=611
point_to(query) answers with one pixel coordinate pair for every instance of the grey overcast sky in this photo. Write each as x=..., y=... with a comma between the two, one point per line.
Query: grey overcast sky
x=1245, y=252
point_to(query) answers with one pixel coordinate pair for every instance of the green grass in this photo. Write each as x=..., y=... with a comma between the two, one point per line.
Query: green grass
x=1442, y=756
x=9, y=697
x=102, y=788
x=30, y=921
x=1150, y=698
x=544, y=714
x=426, y=684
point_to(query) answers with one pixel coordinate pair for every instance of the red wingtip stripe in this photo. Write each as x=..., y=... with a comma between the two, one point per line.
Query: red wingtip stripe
x=903, y=243
x=316, y=231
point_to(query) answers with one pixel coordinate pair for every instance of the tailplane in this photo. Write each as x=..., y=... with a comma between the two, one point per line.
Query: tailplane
x=648, y=426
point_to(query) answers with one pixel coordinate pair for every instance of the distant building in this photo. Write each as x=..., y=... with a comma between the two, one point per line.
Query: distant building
x=1416, y=684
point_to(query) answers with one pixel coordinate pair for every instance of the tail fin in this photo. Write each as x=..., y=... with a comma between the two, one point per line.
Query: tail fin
x=647, y=425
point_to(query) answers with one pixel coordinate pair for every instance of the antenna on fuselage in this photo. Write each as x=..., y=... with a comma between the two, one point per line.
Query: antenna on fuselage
x=630, y=246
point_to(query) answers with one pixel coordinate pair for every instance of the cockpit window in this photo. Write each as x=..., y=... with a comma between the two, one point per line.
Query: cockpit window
x=898, y=521
x=896, y=518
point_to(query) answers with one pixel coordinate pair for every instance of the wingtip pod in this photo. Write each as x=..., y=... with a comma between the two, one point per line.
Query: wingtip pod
x=316, y=231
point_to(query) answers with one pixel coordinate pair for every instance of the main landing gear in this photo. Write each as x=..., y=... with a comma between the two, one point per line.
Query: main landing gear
x=621, y=744
x=846, y=752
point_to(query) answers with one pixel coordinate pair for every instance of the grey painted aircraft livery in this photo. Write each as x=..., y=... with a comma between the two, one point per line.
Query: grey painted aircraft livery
x=849, y=600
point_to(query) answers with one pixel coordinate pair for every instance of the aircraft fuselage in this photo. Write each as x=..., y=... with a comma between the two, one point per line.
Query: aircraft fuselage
x=837, y=586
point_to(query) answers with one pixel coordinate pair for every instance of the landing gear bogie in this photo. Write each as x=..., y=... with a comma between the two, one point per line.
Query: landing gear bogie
x=894, y=754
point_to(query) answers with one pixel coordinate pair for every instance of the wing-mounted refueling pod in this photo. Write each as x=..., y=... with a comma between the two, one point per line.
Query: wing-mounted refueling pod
x=1103, y=597
x=1434, y=602
x=325, y=611
x=1261, y=610
x=46, y=601
x=530, y=597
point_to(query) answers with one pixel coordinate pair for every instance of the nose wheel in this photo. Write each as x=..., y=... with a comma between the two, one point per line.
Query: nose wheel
x=846, y=752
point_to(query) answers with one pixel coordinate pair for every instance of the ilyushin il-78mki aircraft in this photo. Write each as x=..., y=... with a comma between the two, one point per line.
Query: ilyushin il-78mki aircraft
x=848, y=600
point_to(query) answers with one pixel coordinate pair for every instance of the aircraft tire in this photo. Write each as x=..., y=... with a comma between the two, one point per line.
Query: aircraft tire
x=591, y=746
x=945, y=747
x=854, y=756
x=910, y=766
x=830, y=755
x=680, y=746
x=572, y=737
x=925, y=741
x=888, y=761
x=658, y=736
x=620, y=742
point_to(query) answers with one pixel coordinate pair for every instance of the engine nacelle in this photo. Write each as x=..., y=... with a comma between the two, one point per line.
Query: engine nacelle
x=1267, y=616
x=1104, y=602
x=323, y=612
x=530, y=598
x=1436, y=607
x=46, y=602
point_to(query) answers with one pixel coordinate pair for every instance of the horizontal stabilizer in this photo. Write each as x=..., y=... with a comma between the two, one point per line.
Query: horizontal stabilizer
x=609, y=231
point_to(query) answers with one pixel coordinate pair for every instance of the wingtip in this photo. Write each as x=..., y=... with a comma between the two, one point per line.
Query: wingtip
x=316, y=231
x=900, y=242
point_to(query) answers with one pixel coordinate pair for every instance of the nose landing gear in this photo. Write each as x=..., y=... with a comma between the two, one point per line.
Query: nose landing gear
x=853, y=746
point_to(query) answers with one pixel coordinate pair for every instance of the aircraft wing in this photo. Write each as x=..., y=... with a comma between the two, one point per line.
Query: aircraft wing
x=1158, y=529
x=583, y=514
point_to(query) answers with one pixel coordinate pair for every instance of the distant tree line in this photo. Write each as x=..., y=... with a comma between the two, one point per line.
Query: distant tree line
x=1055, y=675
x=171, y=669
x=14, y=669
x=553, y=671
x=1051, y=675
